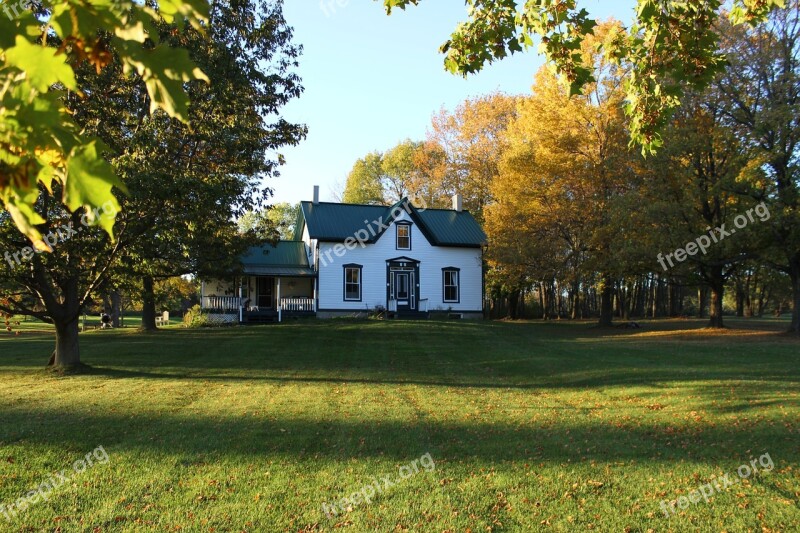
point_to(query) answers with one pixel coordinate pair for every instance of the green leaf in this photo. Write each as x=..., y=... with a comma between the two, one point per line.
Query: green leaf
x=21, y=210
x=42, y=65
x=132, y=33
x=193, y=11
x=164, y=71
x=89, y=183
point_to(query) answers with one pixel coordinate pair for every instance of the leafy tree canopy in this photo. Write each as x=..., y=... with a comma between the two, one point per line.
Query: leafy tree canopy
x=40, y=48
x=671, y=44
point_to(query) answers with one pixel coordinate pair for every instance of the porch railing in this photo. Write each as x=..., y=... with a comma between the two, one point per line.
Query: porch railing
x=298, y=304
x=222, y=303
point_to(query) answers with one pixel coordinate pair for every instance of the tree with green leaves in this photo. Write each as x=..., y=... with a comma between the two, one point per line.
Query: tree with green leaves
x=671, y=45
x=696, y=184
x=273, y=223
x=41, y=145
x=384, y=178
x=55, y=286
x=760, y=96
x=223, y=158
x=186, y=183
x=399, y=167
x=365, y=182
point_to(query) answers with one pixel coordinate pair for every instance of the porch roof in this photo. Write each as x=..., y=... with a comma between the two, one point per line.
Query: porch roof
x=288, y=272
x=285, y=258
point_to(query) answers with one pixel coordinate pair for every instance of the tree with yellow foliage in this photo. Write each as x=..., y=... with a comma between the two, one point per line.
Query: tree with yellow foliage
x=473, y=138
x=559, y=208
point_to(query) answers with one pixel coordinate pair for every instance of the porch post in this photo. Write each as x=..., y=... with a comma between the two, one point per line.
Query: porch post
x=314, y=308
x=280, y=311
x=241, y=303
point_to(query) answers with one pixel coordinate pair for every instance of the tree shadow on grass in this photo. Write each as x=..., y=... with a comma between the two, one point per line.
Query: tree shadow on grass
x=759, y=382
x=245, y=437
x=459, y=355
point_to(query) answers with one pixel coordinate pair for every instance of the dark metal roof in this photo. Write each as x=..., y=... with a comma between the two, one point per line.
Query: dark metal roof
x=279, y=271
x=336, y=222
x=453, y=228
x=333, y=222
x=286, y=258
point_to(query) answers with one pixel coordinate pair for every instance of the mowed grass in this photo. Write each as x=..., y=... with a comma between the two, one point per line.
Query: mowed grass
x=531, y=427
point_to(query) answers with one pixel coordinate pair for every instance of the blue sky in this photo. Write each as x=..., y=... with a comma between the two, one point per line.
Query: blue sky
x=372, y=81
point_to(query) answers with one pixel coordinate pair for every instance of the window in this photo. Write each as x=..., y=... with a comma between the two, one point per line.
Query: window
x=451, y=285
x=403, y=236
x=352, y=283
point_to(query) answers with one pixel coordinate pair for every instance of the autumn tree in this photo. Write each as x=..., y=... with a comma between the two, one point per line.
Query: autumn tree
x=671, y=45
x=694, y=191
x=460, y=155
x=428, y=182
x=564, y=175
x=472, y=139
x=760, y=94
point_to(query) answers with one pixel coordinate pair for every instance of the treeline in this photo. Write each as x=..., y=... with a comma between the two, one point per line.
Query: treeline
x=580, y=224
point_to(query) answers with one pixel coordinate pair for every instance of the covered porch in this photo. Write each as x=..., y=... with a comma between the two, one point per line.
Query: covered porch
x=264, y=299
x=276, y=283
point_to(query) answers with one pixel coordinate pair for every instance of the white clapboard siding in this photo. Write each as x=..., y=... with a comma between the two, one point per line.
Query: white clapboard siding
x=373, y=259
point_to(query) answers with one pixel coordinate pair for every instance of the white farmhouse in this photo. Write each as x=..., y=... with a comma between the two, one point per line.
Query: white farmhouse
x=348, y=259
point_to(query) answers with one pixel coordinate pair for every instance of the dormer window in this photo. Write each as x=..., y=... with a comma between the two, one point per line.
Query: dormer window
x=403, y=236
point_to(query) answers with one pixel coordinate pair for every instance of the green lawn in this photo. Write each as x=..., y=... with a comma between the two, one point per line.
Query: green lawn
x=530, y=426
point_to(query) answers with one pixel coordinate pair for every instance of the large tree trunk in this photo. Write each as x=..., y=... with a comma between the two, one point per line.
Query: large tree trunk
x=513, y=305
x=66, y=317
x=702, y=292
x=148, y=304
x=717, y=286
x=740, y=298
x=67, y=353
x=607, y=303
x=675, y=298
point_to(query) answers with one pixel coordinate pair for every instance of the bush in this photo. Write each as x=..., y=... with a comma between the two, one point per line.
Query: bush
x=195, y=318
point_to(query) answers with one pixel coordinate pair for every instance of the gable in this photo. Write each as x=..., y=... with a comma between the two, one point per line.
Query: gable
x=331, y=222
